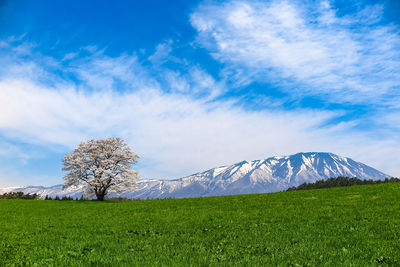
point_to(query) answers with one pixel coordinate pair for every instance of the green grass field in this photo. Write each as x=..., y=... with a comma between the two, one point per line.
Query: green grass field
x=357, y=225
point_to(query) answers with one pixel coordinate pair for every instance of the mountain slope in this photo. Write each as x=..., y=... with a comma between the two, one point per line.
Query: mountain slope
x=246, y=177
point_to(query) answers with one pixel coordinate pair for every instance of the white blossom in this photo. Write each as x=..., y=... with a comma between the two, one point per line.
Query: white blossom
x=101, y=167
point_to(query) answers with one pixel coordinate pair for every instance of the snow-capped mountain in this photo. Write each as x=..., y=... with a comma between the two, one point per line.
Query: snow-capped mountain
x=259, y=176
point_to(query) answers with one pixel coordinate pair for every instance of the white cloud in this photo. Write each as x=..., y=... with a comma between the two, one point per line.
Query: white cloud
x=342, y=58
x=196, y=82
x=162, y=53
x=101, y=72
x=175, y=133
x=10, y=151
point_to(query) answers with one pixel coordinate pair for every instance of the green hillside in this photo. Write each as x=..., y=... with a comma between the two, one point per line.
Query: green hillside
x=357, y=225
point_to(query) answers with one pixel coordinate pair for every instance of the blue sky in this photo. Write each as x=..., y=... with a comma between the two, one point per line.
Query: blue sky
x=192, y=85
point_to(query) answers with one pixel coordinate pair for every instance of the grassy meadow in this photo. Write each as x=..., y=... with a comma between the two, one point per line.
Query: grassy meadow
x=358, y=225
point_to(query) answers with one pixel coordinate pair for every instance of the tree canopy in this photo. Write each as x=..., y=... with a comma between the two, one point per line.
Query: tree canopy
x=101, y=167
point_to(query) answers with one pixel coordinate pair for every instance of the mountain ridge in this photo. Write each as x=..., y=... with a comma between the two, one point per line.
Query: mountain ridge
x=258, y=176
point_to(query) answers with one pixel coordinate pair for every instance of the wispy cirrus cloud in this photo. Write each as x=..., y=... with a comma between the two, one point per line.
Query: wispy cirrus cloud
x=162, y=53
x=172, y=118
x=174, y=134
x=305, y=48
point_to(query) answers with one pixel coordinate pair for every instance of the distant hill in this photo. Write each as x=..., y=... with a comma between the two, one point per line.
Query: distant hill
x=259, y=176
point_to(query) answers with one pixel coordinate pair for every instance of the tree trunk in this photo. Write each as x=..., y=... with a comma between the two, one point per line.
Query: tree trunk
x=100, y=197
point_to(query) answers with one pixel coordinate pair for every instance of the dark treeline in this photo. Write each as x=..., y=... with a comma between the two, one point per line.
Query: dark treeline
x=63, y=198
x=111, y=199
x=340, y=182
x=18, y=195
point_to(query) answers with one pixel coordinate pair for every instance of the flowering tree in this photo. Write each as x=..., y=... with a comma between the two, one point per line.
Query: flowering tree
x=102, y=167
